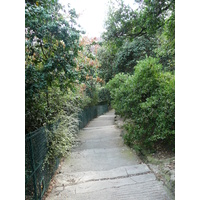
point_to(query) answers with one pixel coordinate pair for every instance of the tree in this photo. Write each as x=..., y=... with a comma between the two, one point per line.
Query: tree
x=147, y=19
x=106, y=59
x=119, y=22
x=131, y=52
x=88, y=65
x=52, y=43
x=138, y=52
x=133, y=34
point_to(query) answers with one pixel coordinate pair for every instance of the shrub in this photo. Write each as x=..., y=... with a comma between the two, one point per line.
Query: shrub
x=148, y=99
x=61, y=137
x=117, y=92
x=103, y=95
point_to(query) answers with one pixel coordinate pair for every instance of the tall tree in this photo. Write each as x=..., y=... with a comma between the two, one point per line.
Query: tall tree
x=51, y=45
x=147, y=19
x=133, y=34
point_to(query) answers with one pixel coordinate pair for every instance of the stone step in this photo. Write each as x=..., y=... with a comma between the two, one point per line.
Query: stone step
x=102, y=167
x=87, y=176
x=141, y=187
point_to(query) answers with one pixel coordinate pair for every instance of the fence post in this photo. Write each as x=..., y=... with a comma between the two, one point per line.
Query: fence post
x=33, y=169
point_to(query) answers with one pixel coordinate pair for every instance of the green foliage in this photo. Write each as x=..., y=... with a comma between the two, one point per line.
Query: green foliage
x=119, y=22
x=62, y=129
x=61, y=136
x=133, y=34
x=114, y=84
x=166, y=44
x=88, y=65
x=53, y=94
x=106, y=58
x=131, y=52
x=148, y=99
x=52, y=43
x=103, y=95
x=124, y=22
x=91, y=92
x=117, y=92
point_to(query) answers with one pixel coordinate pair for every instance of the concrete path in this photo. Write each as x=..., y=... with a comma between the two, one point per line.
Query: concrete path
x=101, y=167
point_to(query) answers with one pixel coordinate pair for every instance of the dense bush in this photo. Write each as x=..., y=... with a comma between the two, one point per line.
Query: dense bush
x=103, y=96
x=61, y=135
x=118, y=93
x=148, y=99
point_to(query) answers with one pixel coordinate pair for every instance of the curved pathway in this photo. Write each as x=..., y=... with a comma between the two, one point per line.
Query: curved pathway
x=101, y=167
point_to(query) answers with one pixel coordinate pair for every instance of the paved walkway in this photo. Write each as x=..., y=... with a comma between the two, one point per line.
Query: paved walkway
x=101, y=167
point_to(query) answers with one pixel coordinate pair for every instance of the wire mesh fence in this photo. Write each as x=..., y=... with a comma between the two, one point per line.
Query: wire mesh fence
x=38, y=175
x=90, y=113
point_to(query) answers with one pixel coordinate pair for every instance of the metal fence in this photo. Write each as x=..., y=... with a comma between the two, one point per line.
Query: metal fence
x=38, y=175
x=90, y=113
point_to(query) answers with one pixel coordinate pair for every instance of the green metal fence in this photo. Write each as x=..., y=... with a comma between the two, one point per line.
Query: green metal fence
x=90, y=113
x=37, y=175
